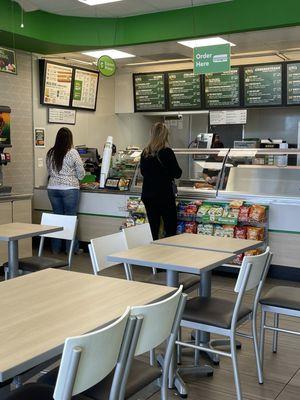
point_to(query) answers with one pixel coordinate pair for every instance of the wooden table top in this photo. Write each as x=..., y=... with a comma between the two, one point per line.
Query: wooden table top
x=40, y=310
x=18, y=230
x=203, y=242
x=178, y=259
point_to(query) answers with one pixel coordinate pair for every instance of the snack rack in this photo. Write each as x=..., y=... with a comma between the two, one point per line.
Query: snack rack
x=224, y=219
x=136, y=212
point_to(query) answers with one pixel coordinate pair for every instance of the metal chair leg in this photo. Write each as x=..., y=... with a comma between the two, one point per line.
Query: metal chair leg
x=275, y=333
x=152, y=357
x=235, y=368
x=179, y=350
x=197, y=352
x=6, y=273
x=256, y=351
x=262, y=338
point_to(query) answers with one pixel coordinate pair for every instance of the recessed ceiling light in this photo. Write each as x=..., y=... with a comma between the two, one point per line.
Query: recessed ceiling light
x=204, y=42
x=97, y=2
x=115, y=54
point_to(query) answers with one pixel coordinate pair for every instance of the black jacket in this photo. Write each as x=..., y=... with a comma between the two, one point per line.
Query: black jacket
x=159, y=172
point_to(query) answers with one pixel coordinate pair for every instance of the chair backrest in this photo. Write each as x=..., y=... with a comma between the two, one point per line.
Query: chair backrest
x=257, y=265
x=158, y=319
x=103, y=246
x=88, y=359
x=138, y=235
x=68, y=222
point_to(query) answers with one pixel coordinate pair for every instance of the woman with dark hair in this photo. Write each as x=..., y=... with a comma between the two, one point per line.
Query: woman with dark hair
x=159, y=168
x=65, y=170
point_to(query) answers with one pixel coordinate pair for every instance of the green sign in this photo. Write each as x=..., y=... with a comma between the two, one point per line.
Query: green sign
x=184, y=90
x=149, y=92
x=222, y=89
x=107, y=66
x=210, y=59
x=293, y=83
x=263, y=85
x=77, y=92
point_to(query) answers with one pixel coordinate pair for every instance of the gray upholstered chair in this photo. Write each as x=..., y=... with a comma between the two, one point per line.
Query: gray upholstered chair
x=280, y=300
x=223, y=317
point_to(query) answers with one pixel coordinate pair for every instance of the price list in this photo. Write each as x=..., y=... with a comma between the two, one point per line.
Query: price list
x=184, y=90
x=263, y=85
x=149, y=92
x=222, y=89
x=293, y=83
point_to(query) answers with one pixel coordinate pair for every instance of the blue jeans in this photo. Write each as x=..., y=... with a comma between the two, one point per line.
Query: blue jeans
x=64, y=202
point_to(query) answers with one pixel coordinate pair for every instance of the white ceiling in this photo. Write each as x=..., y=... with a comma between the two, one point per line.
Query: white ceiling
x=251, y=47
x=118, y=9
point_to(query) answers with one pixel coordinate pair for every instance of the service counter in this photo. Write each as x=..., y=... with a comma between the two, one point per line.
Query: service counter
x=102, y=212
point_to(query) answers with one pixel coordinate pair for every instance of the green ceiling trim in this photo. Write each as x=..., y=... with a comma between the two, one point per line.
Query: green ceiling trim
x=49, y=33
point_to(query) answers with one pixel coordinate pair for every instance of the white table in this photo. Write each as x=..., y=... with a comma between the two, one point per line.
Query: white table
x=39, y=311
x=175, y=260
x=16, y=231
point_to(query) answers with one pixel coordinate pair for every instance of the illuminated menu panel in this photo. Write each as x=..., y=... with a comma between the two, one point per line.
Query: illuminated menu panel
x=222, y=89
x=184, y=90
x=263, y=85
x=293, y=83
x=149, y=91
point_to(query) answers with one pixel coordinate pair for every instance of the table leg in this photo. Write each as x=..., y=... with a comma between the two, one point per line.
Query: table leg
x=13, y=259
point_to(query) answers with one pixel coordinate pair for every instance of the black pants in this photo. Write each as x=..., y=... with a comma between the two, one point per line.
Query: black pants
x=158, y=209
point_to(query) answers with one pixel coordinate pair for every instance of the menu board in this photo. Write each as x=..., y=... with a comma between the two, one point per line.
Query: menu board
x=149, y=92
x=57, y=84
x=85, y=89
x=263, y=85
x=222, y=89
x=184, y=90
x=293, y=83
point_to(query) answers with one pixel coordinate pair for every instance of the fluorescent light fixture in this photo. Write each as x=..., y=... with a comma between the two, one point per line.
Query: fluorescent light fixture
x=205, y=42
x=97, y=2
x=115, y=54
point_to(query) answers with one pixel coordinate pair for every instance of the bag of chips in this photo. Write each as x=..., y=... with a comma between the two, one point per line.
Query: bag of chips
x=254, y=233
x=244, y=214
x=238, y=259
x=203, y=210
x=180, y=227
x=240, y=232
x=206, y=229
x=257, y=213
x=190, y=227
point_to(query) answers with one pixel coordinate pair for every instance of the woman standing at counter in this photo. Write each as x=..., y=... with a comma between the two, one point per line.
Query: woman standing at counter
x=65, y=169
x=159, y=168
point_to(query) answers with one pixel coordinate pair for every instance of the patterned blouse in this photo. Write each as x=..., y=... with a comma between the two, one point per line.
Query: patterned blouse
x=71, y=173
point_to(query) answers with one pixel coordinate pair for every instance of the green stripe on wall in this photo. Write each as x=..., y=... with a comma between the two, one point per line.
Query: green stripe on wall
x=287, y=232
x=49, y=33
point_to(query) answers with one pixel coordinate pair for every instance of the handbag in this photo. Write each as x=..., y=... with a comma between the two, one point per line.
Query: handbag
x=174, y=186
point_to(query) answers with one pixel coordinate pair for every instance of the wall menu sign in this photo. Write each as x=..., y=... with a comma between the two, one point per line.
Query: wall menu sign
x=184, y=90
x=293, y=83
x=149, y=92
x=222, y=89
x=263, y=85
x=61, y=116
x=85, y=89
x=57, y=84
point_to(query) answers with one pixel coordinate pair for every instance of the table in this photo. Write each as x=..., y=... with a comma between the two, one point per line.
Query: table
x=39, y=311
x=175, y=260
x=204, y=242
x=16, y=231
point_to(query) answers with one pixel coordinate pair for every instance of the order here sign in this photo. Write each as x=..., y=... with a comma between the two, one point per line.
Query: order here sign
x=210, y=59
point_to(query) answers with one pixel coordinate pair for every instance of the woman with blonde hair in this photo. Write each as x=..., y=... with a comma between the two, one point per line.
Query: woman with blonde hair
x=159, y=168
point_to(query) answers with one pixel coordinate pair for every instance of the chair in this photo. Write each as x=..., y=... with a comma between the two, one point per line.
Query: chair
x=156, y=323
x=86, y=360
x=161, y=321
x=223, y=317
x=141, y=235
x=40, y=262
x=101, y=247
x=280, y=300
